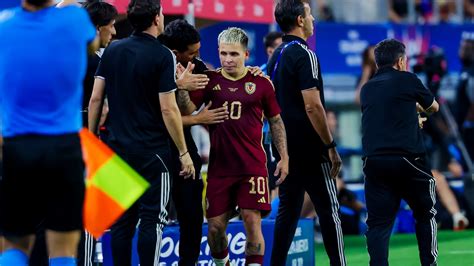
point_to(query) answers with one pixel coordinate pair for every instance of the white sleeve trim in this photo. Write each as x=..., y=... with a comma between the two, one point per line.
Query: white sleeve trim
x=166, y=92
x=313, y=60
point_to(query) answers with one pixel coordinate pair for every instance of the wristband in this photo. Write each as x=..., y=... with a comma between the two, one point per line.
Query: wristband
x=330, y=145
x=181, y=156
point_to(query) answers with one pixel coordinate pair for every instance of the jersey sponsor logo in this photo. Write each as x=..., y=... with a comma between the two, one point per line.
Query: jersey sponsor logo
x=250, y=87
x=262, y=200
x=233, y=89
x=217, y=88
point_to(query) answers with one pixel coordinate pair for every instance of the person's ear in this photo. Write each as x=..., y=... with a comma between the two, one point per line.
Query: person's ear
x=300, y=21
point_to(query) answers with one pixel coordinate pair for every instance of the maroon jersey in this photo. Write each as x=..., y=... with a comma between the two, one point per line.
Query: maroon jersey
x=236, y=144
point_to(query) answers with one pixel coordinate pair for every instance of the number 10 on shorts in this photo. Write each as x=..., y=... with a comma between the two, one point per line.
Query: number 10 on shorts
x=258, y=185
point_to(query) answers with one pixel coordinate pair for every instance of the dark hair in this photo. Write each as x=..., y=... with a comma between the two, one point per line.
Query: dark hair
x=388, y=51
x=142, y=13
x=271, y=37
x=101, y=13
x=286, y=13
x=37, y=3
x=179, y=34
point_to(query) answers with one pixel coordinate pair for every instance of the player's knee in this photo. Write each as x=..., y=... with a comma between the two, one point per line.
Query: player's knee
x=252, y=219
x=216, y=228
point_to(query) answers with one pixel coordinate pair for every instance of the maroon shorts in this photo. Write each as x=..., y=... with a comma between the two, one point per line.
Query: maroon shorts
x=247, y=192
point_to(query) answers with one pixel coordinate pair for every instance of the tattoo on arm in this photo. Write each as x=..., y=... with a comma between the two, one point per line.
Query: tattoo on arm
x=253, y=248
x=185, y=104
x=278, y=134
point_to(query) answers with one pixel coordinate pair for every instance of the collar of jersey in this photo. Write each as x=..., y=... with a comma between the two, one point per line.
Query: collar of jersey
x=227, y=76
x=290, y=38
x=143, y=34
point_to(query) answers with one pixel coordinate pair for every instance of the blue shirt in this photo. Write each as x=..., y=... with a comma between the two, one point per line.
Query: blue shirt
x=43, y=59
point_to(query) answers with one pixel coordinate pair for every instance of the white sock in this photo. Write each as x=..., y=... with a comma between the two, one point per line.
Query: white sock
x=221, y=262
x=255, y=264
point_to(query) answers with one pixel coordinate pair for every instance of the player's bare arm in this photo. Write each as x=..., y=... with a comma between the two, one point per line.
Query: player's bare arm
x=95, y=104
x=174, y=125
x=207, y=116
x=278, y=131
x=317, y=116
x=186, y=106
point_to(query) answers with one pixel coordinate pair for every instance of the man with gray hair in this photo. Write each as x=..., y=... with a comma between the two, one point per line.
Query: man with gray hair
x=243, y=181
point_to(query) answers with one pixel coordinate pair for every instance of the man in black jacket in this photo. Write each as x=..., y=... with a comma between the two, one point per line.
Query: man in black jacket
x=395, y=166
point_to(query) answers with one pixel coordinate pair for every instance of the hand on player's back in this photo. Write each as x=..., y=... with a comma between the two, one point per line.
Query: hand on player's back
x=256, y=71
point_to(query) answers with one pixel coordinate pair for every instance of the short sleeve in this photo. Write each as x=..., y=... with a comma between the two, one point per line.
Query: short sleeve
x=422, y=95
x=270, y=103
x=167, y=72
x=307, y=69
x=101, y=69
x=199, y=66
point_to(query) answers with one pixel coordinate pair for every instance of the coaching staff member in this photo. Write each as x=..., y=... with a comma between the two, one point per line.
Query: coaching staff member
x=138, y=76
x=296, y=74
x=395, y=167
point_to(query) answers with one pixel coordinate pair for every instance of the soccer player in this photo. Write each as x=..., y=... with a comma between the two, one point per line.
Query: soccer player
x=138, y=76
x=42, y=65
x=237, y=174
x=315, y=162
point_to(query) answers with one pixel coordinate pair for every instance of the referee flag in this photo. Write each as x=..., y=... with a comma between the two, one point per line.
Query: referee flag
x=111, y=185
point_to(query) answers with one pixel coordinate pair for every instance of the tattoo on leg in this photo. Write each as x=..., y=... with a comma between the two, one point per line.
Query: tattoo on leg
x=218, y=243
x=253, y=248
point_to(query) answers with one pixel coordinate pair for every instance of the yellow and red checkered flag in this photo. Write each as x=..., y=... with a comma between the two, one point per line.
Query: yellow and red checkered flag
x=111, y=185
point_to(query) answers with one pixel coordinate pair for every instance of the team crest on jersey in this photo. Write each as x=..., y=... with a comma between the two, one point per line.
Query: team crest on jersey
x=250, y=87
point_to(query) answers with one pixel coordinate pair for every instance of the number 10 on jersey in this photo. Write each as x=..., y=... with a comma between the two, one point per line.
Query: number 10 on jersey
x=235, y=109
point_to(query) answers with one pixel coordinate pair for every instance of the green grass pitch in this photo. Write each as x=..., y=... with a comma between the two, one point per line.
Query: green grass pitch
x=454, y=249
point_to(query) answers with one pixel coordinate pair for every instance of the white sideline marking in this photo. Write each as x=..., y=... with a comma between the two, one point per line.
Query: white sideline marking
x=461, y=252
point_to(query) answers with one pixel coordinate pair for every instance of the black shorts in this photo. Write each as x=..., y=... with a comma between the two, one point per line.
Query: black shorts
x=43, y=181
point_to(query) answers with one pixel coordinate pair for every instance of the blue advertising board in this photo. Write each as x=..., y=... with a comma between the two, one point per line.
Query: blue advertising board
x=301, y=251
x=255, y=32
x=339, y=46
